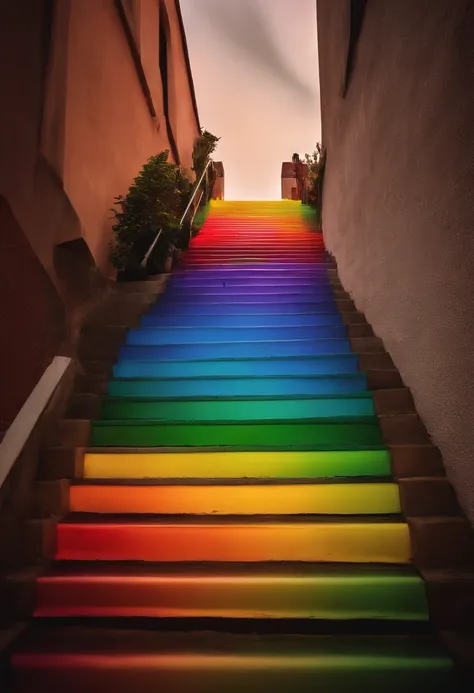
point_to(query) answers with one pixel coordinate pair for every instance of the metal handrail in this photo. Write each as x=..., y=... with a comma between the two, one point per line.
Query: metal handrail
x=197, y=185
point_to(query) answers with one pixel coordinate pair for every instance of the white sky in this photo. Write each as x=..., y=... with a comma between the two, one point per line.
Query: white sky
x=255, y=70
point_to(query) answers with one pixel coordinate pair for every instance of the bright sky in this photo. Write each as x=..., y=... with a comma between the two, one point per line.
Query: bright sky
x=255, y=70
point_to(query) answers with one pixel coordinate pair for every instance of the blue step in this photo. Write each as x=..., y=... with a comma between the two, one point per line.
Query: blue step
x=168, y=308
x=285, y=320
x=191, y=335
x=229, y=350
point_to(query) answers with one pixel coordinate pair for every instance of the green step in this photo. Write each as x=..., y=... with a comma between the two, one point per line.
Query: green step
x=263, y=435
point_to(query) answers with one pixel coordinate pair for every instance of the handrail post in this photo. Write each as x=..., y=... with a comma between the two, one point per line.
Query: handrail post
x=197, y=185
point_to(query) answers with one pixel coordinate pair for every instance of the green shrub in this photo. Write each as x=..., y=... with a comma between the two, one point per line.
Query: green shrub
x=155, y=201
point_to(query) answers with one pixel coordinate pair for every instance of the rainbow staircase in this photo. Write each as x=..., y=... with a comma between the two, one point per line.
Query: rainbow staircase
x=237, y=527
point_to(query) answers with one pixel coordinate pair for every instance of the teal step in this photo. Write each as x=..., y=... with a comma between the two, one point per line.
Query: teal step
x=320, y=409
x=239, y=387
x=250, y=368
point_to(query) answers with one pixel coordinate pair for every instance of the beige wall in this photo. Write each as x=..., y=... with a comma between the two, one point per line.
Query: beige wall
x=398, y=208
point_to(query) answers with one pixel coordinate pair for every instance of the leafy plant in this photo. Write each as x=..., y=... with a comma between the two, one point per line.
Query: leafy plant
x=155, y=201
x=316, y=163
x=204, y=146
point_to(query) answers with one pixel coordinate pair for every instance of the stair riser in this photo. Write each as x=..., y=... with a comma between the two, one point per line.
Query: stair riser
x=231, y=350
x=194, y=673
x=270, y=436
x=325, y=499
x=237, y=322
x=239, y=410
x=288, y=597
x=238, y=335
x=238, y=388
x=293, y=465
x=324, y=365
x=346, y=543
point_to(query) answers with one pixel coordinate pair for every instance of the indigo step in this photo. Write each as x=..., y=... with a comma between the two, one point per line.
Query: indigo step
x=185, y=309
x=245, y=299
x=224, y=291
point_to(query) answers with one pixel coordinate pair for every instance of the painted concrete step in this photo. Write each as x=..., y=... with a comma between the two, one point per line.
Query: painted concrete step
x=231, y=350
x=282, y=591
x=239, y=387
x=293, y=308
x=290, y=284
x=371, y=498
x=284, y=320
x=330, y=407
x=235, y=465
x=199, y=538
x=244, y=299
x=293, y=282
x=222, y=291
x=264, y=270
x=239, y=367
x=55, y=660
x=269, y=435
x=195, y=335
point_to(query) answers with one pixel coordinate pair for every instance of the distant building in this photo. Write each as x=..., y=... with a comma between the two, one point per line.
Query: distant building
x=289, y=189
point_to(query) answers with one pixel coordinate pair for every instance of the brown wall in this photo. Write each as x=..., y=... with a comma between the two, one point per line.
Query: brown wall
x=79, y=117
x=398, y=208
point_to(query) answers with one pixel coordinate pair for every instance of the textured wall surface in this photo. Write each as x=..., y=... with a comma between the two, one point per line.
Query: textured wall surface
x=75, y=128
x=398, y=210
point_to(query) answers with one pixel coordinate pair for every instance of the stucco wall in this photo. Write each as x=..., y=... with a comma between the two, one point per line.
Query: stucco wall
x=398, y=208
x=75, y=128
x=110, y=131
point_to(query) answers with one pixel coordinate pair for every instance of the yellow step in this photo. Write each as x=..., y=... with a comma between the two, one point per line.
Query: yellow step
x=235, y=465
